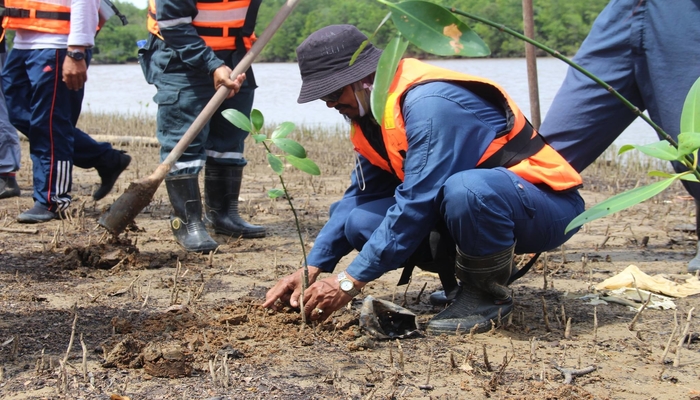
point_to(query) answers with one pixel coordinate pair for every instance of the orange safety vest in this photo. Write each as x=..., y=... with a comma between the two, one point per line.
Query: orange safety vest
x=219, y=23
x=519, y=147
x=50, y=16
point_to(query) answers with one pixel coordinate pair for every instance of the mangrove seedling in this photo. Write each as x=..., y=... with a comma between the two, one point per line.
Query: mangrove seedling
x=292, y=152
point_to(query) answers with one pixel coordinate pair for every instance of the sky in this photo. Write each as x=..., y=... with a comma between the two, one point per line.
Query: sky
x=138, y=3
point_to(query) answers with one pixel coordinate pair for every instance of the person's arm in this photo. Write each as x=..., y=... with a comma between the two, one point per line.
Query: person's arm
x=331, y=244
x=83, y=26
x=175, y=24
x=448, y=129
x=372, y=183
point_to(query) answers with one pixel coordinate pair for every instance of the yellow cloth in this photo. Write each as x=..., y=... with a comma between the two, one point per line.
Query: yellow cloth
x=656, y=284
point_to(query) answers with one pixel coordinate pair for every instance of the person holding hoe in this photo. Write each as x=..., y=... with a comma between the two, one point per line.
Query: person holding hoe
x=191, y=51
x=454, y=180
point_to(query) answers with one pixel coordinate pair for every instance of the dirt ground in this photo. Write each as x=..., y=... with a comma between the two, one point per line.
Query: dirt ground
x=143, y=319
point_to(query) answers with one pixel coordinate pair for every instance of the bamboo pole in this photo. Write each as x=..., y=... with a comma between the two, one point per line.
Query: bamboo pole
x=531, y=59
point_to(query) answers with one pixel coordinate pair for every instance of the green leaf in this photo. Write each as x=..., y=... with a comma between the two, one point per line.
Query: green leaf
x=625, y=148
x=688, y=142
x=275, y=163
x=436, y=30
x=238, y=119
x=662, y=150
x=275, y=193
x=304, y=164
x=259, y=138
x=689, y=177
x=284, y=129
x=690, y=116
x=258, y=119
x=386, y=69
x=660, y=174
x=290, y=146
x=620, y=202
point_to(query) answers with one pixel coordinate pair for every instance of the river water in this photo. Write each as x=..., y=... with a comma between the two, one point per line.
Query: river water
x=122, y=89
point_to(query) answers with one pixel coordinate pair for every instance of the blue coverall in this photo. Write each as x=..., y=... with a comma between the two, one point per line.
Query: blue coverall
x=486, y=210
x=181, y=67
x=649, y=51
x=9, y=143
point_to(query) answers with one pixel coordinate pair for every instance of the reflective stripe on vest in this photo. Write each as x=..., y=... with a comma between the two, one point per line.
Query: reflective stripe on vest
x=219, y=23
x=50, y=16
x=518, y=148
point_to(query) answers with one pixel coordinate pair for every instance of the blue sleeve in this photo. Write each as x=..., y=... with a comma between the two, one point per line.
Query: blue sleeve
x=448, y=129
x=368, y=183
x=175, y=24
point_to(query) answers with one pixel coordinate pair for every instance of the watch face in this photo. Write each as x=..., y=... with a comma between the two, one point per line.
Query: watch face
x=76, y=55
x=346, y=285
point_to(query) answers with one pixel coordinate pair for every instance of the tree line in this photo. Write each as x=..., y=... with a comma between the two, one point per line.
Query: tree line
x=559, y=24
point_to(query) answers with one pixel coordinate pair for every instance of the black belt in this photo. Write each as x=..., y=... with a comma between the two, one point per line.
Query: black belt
x=22, y=13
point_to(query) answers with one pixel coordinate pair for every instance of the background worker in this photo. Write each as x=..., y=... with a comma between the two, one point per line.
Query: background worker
x=191, y=51
x=437, y=159
x=10, y=153
x=647, y=50
x=44, y=80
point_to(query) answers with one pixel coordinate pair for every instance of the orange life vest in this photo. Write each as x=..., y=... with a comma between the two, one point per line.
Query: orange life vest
x=219, y=23
x=50, y=16
x=519, y=147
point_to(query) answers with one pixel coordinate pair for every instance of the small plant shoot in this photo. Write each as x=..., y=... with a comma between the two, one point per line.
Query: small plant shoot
x=293, y=152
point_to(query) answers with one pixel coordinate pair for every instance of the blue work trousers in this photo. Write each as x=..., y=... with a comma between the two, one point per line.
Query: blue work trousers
x=10, y=153
x=182, y=94
x=486, y=211
x=42, y=107
x=649, y=51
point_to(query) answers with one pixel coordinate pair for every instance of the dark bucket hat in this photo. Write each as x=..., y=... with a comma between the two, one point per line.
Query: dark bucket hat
x=324, y=61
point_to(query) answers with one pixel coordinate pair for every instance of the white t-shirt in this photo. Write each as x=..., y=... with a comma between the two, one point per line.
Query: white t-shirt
x=83, y=26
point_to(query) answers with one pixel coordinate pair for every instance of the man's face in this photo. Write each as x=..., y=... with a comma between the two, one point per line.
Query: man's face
x=346, y=104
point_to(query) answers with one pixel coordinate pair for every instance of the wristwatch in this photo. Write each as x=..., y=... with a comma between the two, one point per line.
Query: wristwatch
x=76, y=55
x=347, y=286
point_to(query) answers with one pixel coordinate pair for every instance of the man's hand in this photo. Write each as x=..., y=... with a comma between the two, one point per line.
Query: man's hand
x=222, y=77
x=325, y=296
x=320, y=298
x=75, y=72
x=288, y=289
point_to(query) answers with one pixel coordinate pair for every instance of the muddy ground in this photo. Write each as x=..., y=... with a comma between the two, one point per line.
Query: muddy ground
x=145, y=320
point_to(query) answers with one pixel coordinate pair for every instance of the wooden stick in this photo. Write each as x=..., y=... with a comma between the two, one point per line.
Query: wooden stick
x=569, y=373
x=677, y=360
x=670, y=339
x=639, y=313
x=530, y=56
x=20, y=230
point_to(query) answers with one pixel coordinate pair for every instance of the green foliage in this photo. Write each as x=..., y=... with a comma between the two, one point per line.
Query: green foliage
x=116, y=43
x=294, y=153
x=560, y=24
x=688, y=143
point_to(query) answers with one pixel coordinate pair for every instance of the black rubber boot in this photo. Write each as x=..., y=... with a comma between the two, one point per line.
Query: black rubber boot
x=109, y=174
x=443, y=250
x=483, y=297
x=9, y=187
x=694, y=264
x=186, y=220
x=222, y=186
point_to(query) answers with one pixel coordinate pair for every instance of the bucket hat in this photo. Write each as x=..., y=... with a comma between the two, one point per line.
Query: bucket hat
x=324, y=61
